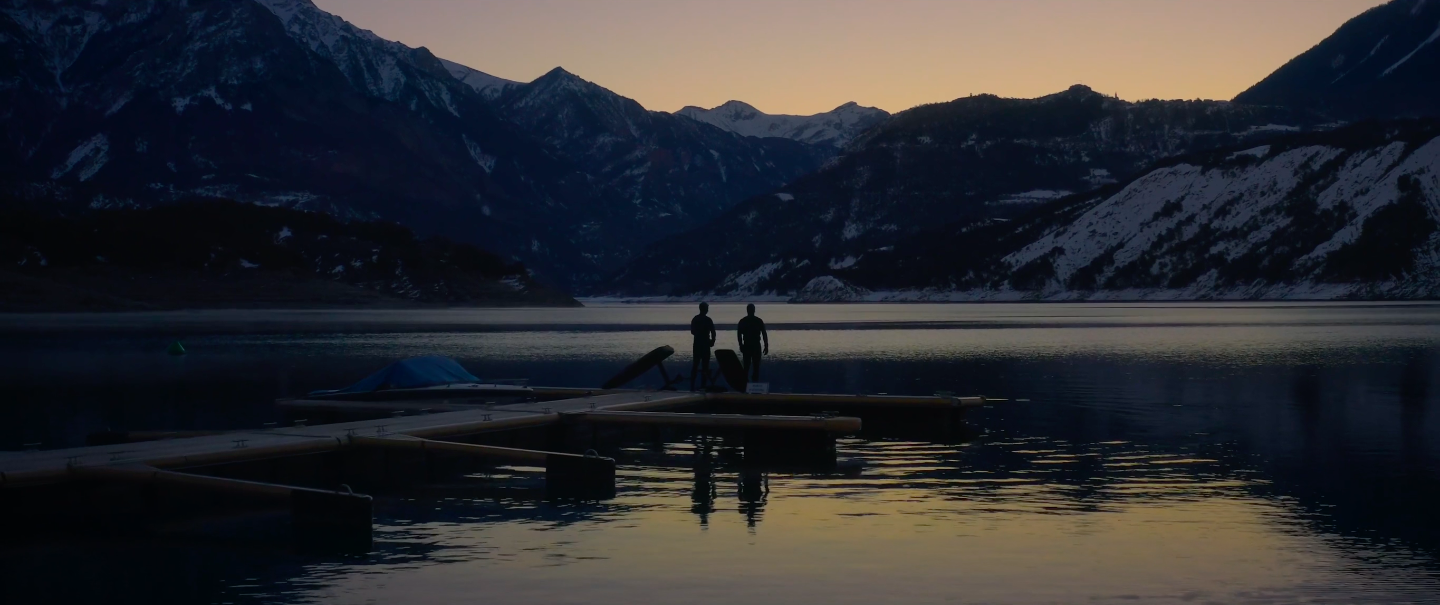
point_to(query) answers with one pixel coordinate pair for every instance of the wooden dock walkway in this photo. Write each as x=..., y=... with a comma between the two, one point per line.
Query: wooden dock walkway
x=320, y=512
x=27, y=468
x=46, y=466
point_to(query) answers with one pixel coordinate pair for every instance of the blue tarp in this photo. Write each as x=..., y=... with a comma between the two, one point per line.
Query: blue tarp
x=413, y=373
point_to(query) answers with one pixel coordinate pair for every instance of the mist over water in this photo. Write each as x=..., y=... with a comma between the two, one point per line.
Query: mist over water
x=1159, y=453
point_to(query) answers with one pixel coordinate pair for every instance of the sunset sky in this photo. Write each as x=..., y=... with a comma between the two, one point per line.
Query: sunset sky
x=808, y=56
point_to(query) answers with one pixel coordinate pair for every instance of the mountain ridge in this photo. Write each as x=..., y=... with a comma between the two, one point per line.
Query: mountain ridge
x=972, y=160
x=834, y=128
x=277, y=102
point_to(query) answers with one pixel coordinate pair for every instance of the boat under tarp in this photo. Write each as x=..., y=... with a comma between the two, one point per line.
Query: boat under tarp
x=427, y=377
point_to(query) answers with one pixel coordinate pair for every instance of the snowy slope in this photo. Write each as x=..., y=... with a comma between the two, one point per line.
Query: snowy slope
x=967, y=162
x=487, y=85
x=833, y=128
x=1348, y=214
x=369, y=61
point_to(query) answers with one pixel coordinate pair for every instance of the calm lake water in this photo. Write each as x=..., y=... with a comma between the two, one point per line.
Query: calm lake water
x=1197, y=453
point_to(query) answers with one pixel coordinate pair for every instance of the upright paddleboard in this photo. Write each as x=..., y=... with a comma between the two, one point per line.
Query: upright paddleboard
x=641, y=366
x=731, y=369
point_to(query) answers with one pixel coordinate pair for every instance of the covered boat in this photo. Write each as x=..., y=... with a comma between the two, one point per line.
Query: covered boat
x=431, y=377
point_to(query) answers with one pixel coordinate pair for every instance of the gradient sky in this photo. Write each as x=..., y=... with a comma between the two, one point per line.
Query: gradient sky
x=808, y=56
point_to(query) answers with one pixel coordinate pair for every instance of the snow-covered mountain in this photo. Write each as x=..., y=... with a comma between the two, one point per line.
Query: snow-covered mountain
x=965, y=162
x=1344, y=214
x=675, y=172
x=1384, y=63
x=277, y=102
x=833, y=128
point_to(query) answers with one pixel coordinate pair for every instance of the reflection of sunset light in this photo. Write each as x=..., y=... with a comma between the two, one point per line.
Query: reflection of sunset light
x=923, y=523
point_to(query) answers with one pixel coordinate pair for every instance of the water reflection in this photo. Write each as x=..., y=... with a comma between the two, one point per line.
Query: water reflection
x=704, y=493
x=1283, y=453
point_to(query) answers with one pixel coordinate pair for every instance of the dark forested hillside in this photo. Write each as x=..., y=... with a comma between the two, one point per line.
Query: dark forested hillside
x=211, y=253
x=1384, y=63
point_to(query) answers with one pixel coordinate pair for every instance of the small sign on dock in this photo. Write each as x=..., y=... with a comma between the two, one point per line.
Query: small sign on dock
x=758, y=388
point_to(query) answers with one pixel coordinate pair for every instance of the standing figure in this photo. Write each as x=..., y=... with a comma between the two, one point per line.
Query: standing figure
x=703, y=329
x=751, y=333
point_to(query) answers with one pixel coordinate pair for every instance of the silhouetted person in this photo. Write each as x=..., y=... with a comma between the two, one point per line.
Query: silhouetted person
x=751, y=333
x=703, y=329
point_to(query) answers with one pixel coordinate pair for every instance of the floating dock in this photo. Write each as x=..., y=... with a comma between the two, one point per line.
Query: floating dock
x=186, y=461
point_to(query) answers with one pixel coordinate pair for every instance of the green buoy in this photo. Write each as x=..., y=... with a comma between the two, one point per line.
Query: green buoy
x=176, y=348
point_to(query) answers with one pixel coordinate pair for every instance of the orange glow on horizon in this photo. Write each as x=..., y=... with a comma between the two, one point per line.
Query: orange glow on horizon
x=808, y=56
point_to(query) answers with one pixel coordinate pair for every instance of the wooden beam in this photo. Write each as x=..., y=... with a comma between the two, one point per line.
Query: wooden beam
x=406, y=442
x=875, y=401
x=835, y=424
x=566, y=475
x=312, y=510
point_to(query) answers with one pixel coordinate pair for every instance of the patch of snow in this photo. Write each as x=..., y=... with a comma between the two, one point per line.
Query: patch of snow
x=785, y=197
x=1427, y=42
x=843, y=263
x=1363, y=61
x=828, y=288
x=487, y=85
x=210, y=93
x=745, y=282
x=119, y=103
x=284, y=234
x=1099, y=176
x=1271, y=128
x=248, y=265
x=485, y=160
x=1033, y=197
x=1255, y=152
x=89, y=157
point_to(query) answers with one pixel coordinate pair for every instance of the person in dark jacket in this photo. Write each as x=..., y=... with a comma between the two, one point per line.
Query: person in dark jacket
x=703, y=329
x=751, y=333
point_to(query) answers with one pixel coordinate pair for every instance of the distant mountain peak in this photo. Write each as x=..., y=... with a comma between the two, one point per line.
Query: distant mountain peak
x=834, y=128
x=741, y=105
x=560, y=72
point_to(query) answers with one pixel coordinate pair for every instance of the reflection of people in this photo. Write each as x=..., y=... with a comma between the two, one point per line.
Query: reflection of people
x=753, y=490
x=751, y=332
x=703, y=495
x=703, y=329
